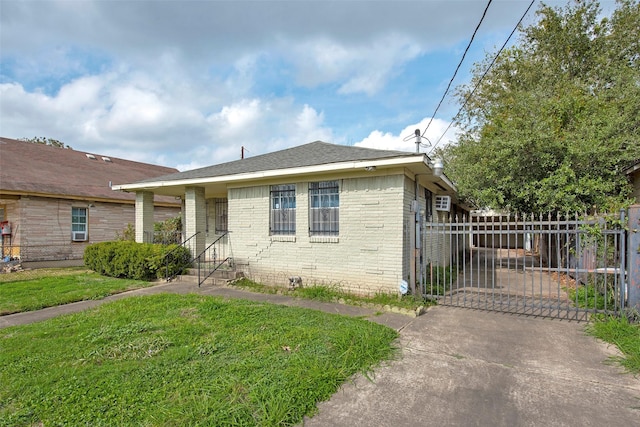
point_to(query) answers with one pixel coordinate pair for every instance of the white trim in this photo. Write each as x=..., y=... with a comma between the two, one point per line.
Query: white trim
x=272, y=173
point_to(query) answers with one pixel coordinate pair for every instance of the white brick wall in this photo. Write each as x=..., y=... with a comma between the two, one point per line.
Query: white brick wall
x=365, y=257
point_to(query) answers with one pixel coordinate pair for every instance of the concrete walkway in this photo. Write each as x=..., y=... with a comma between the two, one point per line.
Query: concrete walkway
x=460, y=367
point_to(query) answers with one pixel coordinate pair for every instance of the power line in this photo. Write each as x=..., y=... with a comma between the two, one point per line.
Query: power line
x=466, y=100
x=458, y=67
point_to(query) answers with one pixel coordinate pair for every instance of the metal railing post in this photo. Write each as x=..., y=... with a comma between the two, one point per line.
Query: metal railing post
x=633, y=258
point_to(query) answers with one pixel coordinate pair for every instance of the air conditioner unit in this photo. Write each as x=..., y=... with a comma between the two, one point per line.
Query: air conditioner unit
x=443, y=203
x=79, y=236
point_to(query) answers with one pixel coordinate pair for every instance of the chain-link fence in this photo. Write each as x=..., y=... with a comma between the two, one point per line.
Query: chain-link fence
x=27, y=257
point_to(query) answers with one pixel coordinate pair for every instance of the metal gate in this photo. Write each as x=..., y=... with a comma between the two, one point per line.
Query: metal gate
x=541, y=266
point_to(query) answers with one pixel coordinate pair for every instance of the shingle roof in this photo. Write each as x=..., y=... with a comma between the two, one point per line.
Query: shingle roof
x=311, y=154
x=27, y=167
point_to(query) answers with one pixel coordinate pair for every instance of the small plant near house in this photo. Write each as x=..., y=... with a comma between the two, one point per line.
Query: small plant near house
x=335, y=294
x=598, y=293
x=164, y=232
x=438, y=279
x=168, y=231
x=127, y=235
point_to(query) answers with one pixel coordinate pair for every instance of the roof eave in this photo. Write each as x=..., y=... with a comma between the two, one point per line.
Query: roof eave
x=273, y=173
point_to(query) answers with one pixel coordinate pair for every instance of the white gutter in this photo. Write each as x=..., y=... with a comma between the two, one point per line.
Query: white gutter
x=332, y=167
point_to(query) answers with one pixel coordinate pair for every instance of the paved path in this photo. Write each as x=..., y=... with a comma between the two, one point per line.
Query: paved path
x=460, y=367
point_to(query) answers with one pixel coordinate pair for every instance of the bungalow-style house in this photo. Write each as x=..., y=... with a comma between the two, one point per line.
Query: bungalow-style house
x=55, y=201
x=324, y=213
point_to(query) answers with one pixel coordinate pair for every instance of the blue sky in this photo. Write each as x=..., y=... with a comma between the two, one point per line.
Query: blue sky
x=187, y=83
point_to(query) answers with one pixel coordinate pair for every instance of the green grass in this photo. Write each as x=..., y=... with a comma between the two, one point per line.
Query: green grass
x=34, y=290
x=621, y=333
x=335, y=294
x=174, y=360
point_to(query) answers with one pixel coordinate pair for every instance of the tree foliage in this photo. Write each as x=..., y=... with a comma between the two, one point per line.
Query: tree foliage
x=46, y=141
x=556, y=119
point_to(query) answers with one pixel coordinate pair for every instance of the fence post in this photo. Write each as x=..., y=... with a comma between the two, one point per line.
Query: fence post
x=633, y=258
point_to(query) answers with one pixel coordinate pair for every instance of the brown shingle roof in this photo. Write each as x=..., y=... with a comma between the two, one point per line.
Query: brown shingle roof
x=27, y=167
x=311, y=154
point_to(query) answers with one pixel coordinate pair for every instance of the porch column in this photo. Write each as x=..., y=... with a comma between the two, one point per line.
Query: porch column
x=195, y=218
x=144, y=217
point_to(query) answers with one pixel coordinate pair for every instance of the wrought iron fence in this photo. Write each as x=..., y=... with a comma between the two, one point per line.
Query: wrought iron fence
x=552, y=267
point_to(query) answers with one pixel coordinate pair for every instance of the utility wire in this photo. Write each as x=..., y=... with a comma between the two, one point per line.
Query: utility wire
x=457, y=68
x=466, y=100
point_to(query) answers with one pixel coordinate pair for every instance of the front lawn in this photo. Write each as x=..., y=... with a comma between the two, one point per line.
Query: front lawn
x=37, y=289
x=178, y=360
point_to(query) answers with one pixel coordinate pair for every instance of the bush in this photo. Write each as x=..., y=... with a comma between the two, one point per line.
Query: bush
x=131, y=260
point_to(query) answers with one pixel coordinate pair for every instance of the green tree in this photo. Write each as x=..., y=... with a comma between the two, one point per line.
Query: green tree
x=46, y=141
x=556, y=119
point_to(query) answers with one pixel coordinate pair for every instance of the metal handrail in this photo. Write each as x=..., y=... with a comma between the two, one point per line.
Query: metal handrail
x=209, y=257
x=167, y=259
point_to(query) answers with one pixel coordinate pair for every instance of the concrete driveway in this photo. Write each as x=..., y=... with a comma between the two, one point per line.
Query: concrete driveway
x=462, y=367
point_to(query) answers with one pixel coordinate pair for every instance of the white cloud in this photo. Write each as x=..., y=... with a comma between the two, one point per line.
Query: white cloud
x=405, y=140
x=356, y=68
x=237, y=119
x=188, y=83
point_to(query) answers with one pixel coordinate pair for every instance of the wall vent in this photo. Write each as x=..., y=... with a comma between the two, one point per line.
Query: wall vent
x=106, y=159
x=90, y=156
x=443, y=203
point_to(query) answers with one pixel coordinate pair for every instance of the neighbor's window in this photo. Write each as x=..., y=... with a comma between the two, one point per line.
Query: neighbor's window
x=324, y=208
x=283, y=209
x=79, y=223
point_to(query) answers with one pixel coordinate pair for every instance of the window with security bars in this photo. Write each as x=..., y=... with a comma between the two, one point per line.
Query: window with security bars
x=283, y=209
x=324, y=208
x=428, y=212
x=221, y=209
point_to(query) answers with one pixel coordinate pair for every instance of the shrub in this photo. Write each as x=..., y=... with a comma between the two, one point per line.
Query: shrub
x=131, y=260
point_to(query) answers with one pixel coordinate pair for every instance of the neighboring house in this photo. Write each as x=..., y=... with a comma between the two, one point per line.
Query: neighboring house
x=56, y=201
x=329, y=214
x=633, y=172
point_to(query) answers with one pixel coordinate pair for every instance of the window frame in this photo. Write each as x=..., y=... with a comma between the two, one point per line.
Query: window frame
x=428, y=212
x=78, y=225
x=221, y=211
x=324, y=208
x=282, y=210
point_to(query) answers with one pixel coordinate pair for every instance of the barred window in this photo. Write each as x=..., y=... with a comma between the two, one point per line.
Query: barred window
x=283, y=209
x=221, y=209
x=428, y=195
x=324, y=208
